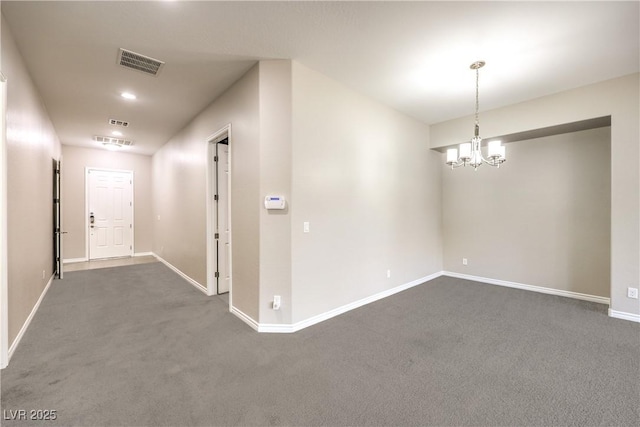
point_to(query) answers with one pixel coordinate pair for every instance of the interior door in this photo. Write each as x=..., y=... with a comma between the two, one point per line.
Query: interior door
x=57, y=219
x=222, y=217
x=110, y=203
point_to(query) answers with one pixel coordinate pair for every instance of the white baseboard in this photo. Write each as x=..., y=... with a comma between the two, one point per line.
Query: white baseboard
x=85, y=259
x=246, y=318
x=294, y=327
x=27, y=322
x=195, y=284
x=72, y=260
x=540, y=289
x=137, y=254
x=624, y=315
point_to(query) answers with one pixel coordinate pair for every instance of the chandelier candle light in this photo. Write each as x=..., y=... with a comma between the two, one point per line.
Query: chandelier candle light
x=470, y=152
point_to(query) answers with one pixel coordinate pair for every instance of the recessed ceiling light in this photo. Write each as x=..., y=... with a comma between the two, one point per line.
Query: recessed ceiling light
x=127, y=95
x=116, y=133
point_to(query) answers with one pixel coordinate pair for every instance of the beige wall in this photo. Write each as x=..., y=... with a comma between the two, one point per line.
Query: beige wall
x=179, y=171
x=31, y=145
x=275, y=179
x=365, y=179
x=360, y=173
x=75, y=160
x=617, y=98
x=542, y=219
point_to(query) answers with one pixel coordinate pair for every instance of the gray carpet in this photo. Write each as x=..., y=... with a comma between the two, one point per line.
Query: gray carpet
x=139, y=346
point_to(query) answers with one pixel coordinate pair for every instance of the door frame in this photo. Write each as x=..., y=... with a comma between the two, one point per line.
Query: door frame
x=4, y=292
x=224, y=132
x=87, y=253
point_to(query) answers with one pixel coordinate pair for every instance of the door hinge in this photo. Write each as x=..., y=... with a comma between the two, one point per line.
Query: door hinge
x=130, y=203
x=130, y=247
x=216, y=236
x=215, y=158
x=216, y=274
x=215, y=197
x=130, y=225
x=56, y=200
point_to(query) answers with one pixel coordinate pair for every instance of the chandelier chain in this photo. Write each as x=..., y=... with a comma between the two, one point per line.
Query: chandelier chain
x=477, y=96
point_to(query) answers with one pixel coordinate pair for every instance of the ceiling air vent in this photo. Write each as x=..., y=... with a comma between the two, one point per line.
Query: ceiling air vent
x=118, y=123
x=135, y=61
x=107, y=140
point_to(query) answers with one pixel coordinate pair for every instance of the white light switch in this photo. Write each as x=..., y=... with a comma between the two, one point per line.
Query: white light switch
x=305, y=226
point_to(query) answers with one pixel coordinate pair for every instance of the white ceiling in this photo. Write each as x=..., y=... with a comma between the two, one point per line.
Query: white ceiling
x=412, y=56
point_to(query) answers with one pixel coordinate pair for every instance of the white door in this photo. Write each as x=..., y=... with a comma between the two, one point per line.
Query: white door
x=222, y=218
x=57, y=218
x=110, y=202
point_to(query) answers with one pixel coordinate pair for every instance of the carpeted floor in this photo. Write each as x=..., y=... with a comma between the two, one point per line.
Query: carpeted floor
x=139, y=346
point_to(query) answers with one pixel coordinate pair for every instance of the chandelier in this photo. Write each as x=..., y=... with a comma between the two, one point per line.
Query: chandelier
x=470, y=152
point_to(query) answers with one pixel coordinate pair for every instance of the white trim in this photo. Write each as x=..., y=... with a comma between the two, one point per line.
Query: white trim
x=211, y=280
x=4, y=286
x=246, y=319
x=624, y=315
x=27, y=322
x=137, y=254
x=289, y=328
x=74, y=260
x=195, y=284
x=540, y=289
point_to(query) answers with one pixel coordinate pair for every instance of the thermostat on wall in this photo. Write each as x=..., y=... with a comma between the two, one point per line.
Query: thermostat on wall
x=274, y=202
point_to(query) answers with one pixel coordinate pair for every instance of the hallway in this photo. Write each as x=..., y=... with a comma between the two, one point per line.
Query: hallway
x=104, y=263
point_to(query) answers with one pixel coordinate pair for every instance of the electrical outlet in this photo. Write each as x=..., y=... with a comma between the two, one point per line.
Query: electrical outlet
x=388, y=274
x=276, y=302
x=632, y=293
x=305, y=227
x=464, y=261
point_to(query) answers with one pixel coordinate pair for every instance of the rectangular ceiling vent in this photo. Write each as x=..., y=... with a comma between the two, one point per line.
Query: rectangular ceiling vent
x=118, y=123
x=107, y=140
x=138, y=62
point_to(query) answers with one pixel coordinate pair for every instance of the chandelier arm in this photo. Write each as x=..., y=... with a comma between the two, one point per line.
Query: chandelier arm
x=491, y=163
x=494, y=162
x=457, y=164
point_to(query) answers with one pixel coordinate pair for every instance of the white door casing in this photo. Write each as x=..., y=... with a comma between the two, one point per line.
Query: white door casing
x=222, y=219
x=110, y=213
x=219, y=224
x=4, y=292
